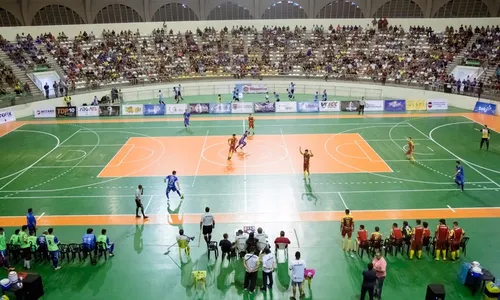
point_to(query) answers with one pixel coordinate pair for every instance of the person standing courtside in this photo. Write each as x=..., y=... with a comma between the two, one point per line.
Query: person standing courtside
x=362, y=104
x=297, y=267
x=268, y=266
x=369, y=281
x=207, y=224
x=31, y=221
x=251, y=263
x=138, y=202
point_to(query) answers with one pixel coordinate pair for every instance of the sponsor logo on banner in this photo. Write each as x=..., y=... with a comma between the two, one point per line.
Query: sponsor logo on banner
x=45, y=113
x=199, y=108
x=133, y=110
x=109, y=110
x=6, y=116
x=416, y=105
x=349, y=105
x=374, y=105
x=242, y=108
x=87, y=111
x=286, y=107
x=66, y=112
x=437, y=104
x=176, y=109
x=395, y=105
x=249, y=88
x=264, y=107
x=310, y=106
x=485, y=108
x=154, y=110
x=220, y=108
x=329, y=106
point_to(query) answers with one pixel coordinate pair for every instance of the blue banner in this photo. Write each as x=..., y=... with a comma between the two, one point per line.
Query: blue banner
x=310, y=106
x=154, y=109
x=395, y=105
x=485, y=108
x=220, y=108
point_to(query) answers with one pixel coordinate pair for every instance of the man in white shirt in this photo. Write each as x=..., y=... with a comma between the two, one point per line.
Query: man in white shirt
x=297, y=267
x=361, y=110
x=262, y=237
x=138, y=202
x=268, y=266
x=207, y=224
x=241, y=241
x=251, y=263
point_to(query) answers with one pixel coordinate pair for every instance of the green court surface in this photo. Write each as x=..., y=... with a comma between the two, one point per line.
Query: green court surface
x=60, y=171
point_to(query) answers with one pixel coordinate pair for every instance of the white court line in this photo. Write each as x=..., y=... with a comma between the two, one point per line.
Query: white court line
x=390, y=140
x=73, y=159
x=430, y=148
x=287, y=151
x=463, y=160
x=58, y=155
x=30, y=166
x=245, y=174
x=341, y=198
x=275, y=192
x=128, y=152
x=63, y=167
x=450, y=208
x=480, y=124
x=98, y=175
x=359, y=146
x=104, y=145
x=425, y=159
x=201, y=156
x=147, y=205
x=40, y=216
x=67, y=139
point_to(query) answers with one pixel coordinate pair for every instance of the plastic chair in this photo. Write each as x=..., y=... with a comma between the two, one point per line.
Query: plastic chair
x=184, y=244
x=75, y=250
x=362, y=247
x=281, y=246
x=64, y=251
x=463, y=245
x=200, y=277
x=102, y=250
x=212, y=246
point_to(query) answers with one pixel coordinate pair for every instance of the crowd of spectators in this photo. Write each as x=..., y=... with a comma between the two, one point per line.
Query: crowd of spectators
x=379, y=52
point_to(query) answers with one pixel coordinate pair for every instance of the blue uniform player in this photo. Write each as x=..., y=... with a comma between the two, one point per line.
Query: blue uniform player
x=324, y=97
x=242, y=143
x=290, y=94
x=236, y=95
x=316, y=96
x=173, y=185
x=459, y=175
x=187, y=115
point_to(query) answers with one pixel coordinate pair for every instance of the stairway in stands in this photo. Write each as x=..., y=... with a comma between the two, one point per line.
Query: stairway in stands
x=21, y=75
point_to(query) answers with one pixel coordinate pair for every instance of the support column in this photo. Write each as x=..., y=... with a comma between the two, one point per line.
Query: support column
x=147, y=11
x=310, y=12
x=24, y=12
x=88, y=12
x=369, y=13
x=203, y=13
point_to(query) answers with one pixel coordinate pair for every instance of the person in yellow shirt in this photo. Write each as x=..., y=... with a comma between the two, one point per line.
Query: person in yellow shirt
x=346, y=229
x=485, y=137
x=411, y=147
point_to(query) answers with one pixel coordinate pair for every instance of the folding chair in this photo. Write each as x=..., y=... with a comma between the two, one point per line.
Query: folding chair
x=102, y=250
x=281, y=246
x=75, y=250
x=200, y=277
x=64, y=251
x=397, y=245
x=14, y=253
x=376, y=245
x=463, y=245
x=362, y=247
x=183, y=244
x=212, y=247
x=427, y=243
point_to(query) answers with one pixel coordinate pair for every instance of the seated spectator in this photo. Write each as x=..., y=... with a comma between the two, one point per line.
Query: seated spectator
x=225, y=246
x=89, y=241
x=241, y=241
x=262, y=237
x=103, y=241
x=282, y=240
x=252, y=241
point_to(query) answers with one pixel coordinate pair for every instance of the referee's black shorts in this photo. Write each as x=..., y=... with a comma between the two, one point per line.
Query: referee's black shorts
x=484, y=140
x=207, y=230
x=138, y=203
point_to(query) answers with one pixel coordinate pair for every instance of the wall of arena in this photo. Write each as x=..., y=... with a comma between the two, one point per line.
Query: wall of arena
x=146, y=28
x=209, y=87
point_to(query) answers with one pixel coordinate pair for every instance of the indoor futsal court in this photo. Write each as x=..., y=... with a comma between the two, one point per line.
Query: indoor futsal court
x=83, y=173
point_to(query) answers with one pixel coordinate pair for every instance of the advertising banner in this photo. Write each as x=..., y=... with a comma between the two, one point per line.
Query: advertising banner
x=154, y=110
x=199, y=108
x=349, y=105
x=112, y=110
x=176, y=109
x=329, y=106
x=437, y=104
x=87, y=111
x=286, y=107
x=6, y=116
x=132, y=110
x=264, y=107
x=242, y=108
x=220, y=108
x=66, y=112
x=374, y=105
x=251, y=88
x=416, y=105
x=395, y=105
x=310, y=106
x=485, y=108
x=45, y=113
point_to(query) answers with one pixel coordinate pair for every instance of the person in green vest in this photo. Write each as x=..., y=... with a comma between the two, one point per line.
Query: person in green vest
x=14, y=238
x=3, y=251
x=52, y=245
x=25, y=246
x=103, y=241
x=32, y=241
x=67, y=100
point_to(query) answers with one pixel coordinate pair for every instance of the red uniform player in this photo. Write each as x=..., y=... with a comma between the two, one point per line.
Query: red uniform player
x=232, y=146
x=346, y=229
x=441, y=239
x=456, y=236
x=411, y=148
x=307, y=154
x=362, y=238
x=251, y=123
x=396, y=235
x=417, y=240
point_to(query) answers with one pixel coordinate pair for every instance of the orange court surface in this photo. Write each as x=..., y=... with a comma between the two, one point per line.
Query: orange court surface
x=267, y=154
